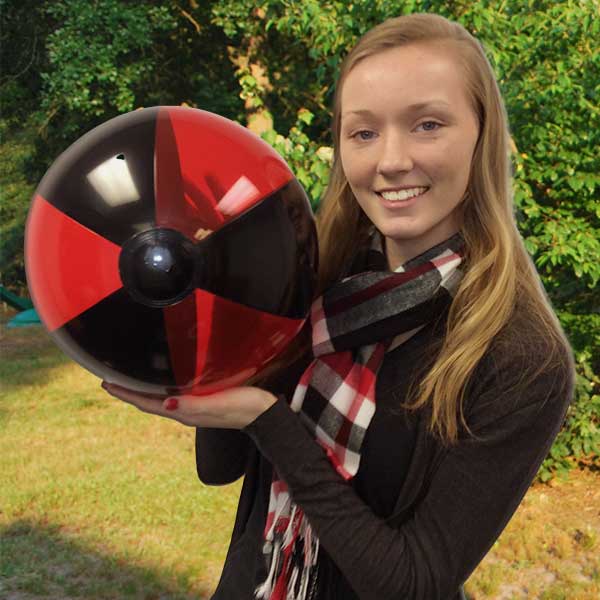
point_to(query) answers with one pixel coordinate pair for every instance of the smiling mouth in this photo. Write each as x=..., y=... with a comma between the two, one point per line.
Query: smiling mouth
x=401, y=198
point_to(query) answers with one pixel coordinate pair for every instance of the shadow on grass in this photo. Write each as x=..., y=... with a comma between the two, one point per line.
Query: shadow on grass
x=28, y=357
x=39, y=559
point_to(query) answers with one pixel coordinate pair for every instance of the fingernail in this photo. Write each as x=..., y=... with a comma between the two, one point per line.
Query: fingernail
x=171, y=404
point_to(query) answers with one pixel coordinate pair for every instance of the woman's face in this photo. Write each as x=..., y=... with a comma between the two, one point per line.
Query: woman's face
x=387, y=144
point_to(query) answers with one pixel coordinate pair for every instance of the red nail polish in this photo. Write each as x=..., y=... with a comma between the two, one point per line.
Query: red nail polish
x=171, y=404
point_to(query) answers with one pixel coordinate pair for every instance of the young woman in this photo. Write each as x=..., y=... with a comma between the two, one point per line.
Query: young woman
x=387, y=451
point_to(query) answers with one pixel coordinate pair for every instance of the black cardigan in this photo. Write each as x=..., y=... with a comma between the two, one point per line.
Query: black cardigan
x=417, y=518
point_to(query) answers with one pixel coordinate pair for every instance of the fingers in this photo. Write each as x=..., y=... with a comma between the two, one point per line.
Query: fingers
x=173, y=407
x=233, y=408
x=147, y=403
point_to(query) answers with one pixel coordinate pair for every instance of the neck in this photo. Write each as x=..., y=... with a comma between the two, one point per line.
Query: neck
x=399, y=252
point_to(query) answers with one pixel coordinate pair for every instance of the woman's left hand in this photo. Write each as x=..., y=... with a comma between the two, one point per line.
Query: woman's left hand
x=233, y=408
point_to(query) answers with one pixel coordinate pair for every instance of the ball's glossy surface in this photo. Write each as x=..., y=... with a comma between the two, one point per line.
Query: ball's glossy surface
x=170, y=250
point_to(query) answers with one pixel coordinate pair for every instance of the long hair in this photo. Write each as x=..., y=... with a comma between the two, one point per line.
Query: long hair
x=498, y=271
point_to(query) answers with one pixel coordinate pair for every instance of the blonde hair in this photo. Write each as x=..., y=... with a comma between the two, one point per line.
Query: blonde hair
x=498, y=270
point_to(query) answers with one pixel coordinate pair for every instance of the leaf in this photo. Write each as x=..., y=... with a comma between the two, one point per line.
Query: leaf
x=305, y=116
x=575, y=183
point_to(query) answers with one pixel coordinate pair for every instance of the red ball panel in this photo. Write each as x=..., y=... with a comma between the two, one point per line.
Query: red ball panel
x=73, y=270
x=210, y=170
x=228, y=351
x=213, y=341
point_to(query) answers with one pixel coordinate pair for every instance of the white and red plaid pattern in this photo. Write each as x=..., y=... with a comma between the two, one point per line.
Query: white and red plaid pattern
x=353, y=324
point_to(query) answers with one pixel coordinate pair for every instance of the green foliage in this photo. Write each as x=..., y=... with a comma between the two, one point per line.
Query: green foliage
x=93, y=60
x=94, y=74
x=15, y=194
x=578, y=442
x=107, y=57
x=23, y=59
x=311, y=162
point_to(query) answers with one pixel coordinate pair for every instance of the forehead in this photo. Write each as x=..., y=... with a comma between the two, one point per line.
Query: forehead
x=404, y=77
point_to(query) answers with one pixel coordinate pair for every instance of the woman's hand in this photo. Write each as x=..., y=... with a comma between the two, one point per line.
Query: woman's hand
x=231, y=409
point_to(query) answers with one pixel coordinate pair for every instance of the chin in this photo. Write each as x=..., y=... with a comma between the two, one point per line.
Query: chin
x=401, y=233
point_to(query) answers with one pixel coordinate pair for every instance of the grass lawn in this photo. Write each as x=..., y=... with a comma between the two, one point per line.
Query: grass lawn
x=99, y=500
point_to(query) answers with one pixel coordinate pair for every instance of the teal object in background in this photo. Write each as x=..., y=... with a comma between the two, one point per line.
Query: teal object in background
x=25, y=318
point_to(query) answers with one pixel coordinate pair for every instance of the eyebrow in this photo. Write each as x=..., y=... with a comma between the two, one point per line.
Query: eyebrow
x=410, y=108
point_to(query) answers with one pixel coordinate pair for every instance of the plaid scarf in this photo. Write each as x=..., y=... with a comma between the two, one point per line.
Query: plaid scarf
x=353, y=324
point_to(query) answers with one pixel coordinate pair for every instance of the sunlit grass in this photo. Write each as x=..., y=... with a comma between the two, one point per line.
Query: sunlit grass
x=96, y=494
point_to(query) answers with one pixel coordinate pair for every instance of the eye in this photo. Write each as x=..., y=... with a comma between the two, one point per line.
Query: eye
x=363, y=135
x=430, y=123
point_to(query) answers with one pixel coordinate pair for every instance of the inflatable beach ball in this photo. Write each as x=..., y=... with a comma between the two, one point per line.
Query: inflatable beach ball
x=170, y=250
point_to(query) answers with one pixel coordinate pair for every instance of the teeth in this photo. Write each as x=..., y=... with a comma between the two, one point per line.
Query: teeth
x=403, y=194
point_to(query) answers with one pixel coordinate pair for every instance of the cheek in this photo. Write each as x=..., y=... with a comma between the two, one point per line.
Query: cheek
x=355, y=168
x=448, y=167
x=451, y=158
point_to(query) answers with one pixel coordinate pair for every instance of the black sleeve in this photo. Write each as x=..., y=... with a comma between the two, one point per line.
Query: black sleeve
x=221, y=454
x=474, y=491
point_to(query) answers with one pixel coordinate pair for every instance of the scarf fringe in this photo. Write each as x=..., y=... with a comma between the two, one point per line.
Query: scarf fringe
x=289, y=570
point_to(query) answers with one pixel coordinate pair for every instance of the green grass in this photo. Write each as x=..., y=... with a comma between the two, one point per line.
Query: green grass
x=99, y=500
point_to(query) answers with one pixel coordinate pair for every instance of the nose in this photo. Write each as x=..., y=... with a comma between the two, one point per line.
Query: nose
x=395, y=155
